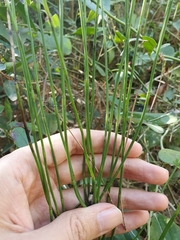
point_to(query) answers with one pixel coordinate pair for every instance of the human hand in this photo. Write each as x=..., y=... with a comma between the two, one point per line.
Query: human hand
x=24, y=211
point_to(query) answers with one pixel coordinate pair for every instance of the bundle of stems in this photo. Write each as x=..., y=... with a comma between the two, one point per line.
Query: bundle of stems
x=93, y=183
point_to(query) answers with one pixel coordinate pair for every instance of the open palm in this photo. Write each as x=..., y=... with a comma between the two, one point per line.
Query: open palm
x=23, y=207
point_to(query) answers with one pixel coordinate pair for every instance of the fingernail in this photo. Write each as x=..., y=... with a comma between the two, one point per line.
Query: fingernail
x=109, y=219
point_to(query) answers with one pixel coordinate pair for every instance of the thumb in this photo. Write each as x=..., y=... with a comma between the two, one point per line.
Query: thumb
x=82, y=223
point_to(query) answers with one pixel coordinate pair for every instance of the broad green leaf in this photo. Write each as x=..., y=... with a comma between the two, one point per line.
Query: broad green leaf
x=29, y=126
x=116, y=1
x=19, y=69
x=10, y=90
x=176, y=176
x=91, y=16
x=118, y=77
x=111, y=55
x=176, y=71
x=1, y=108
x=106, y=5
x=14, y=124
x=3, y=13
x=169, y=94
x=149, y=44
x=9, y=67
x=19, y=137
x=2, y=67
x=155, y=128
x=4, y=123
x=176, y=25
x=135, y=21
x=22, y=14
x=170, y=156
x=100, y=70
x=116, y=100
x=118, y=38
x=23, y=32
x=89, y=31
x=167, y=49
x=177, y=102
x=155, y=118
x=92, y=6
x=8, y=110
x=7, y=146
x=51, y=44
x=4, y=31
x=51, y=123
x=127, y=236
x=55, y=21
x=142, y=59
x=159, y=223
x=67, y=46
x=151, y=138
x=109, y=44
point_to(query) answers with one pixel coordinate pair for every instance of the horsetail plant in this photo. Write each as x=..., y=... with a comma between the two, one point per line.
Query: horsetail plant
x=116, y=114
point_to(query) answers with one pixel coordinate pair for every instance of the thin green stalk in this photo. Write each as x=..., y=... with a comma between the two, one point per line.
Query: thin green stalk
x=169, y=224
x=162, y=33
x=132, y=70
x=63, y=66
x=88, y=150
x=107, y=122
x=169, y=179
x=124, y=83
x=128, y=17
x=94, y=184
x=149, y=226
x=116, y=154
x=168, y=10
x=147, y=14
x=30, y=98
x=94, y=62
x=63, y=85
x=135, y=50
x=54, y=101
x=149, y=221
x=172, y=58
x=75, y=112
x=63, y=78
x=43, y=115
x=115, y=18
x=161, y=37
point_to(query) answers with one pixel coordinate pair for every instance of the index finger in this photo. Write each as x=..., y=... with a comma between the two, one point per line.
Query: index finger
x=75, y=145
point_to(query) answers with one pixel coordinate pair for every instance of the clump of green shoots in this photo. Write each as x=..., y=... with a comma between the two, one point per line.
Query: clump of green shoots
x=123, y=116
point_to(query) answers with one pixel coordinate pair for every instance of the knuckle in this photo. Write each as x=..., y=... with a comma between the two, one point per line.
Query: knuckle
x=77, y=228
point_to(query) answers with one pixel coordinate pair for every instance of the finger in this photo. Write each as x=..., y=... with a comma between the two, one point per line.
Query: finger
x=75, y=145
x=131, y=200
x=134, y=169
x=83, y=223
x=142, y=171
x=132, y=220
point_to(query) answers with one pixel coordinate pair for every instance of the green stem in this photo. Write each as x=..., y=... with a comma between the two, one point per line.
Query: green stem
x=169, y=224
x=169, y=179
